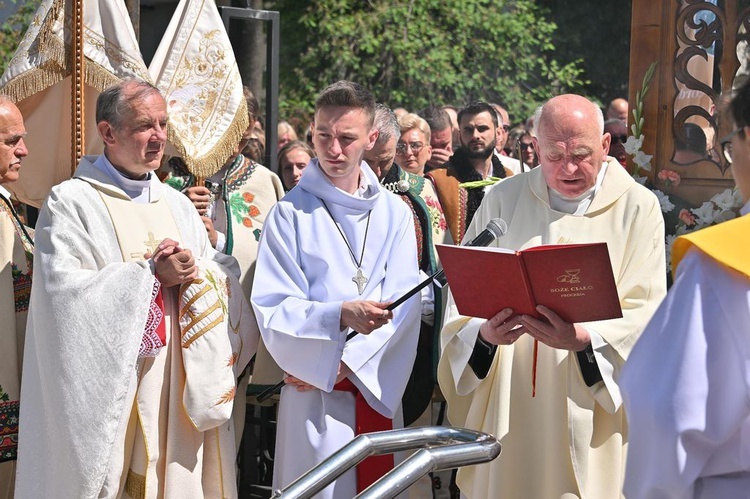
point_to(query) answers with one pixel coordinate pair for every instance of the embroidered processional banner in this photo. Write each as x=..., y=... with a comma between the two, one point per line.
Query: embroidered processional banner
x=196, y=71
x=38, y=80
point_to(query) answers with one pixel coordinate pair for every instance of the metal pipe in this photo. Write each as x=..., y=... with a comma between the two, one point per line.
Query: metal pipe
x=387, y=442
x=424, y=461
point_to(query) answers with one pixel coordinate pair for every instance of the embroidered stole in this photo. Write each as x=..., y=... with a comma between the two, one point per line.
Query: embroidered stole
x=15, y=290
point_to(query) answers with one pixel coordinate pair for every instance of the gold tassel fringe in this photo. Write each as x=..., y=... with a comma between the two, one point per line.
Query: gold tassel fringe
x=210, y=163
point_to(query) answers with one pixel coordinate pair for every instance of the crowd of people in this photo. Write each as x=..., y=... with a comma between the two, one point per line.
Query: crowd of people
x=146, y=299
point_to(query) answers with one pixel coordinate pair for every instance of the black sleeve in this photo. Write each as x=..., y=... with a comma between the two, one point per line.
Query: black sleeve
x=588, y=365
x=481, y=358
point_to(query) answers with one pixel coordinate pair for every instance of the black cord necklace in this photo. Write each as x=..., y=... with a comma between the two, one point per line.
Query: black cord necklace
x=359, y=279
x=18, y=220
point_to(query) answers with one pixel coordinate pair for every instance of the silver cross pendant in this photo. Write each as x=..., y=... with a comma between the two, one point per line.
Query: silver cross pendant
x=360, y=280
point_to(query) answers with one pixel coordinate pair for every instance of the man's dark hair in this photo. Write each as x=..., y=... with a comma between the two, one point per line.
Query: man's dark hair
x=477, y=107
x=740, y=106
x=347, y=94
x=436, y=117
x=114, y=105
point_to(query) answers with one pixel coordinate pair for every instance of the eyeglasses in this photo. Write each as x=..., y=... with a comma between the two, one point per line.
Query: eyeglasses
x=726, y=144
x=506, y=127
x=525, y=146
x=619, y=139
x=402, y=147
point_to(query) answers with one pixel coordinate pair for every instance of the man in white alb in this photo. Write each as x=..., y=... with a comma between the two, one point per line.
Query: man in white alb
x=137, y=328
x=335, y=251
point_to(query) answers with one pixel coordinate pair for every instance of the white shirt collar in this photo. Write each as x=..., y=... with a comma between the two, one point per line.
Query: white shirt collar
x=5, y=192
x=138, y=190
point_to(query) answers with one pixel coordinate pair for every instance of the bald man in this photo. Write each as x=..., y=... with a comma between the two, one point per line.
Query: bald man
x=16, y=258
x=618, y=110
x=568, y=440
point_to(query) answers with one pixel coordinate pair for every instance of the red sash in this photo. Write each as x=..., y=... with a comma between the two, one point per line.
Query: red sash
x=368, y=420
x=161, y=329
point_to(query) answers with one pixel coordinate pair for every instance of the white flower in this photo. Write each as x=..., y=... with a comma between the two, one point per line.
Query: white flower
x=641, y=180
x=633, y=145
x=724, y=215
x=705, y=214
x=666, y=204
x=724, y=200
x=643, y=160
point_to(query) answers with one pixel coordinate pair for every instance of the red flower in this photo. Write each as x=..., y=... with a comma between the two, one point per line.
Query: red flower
x=247, y=222
x=248, y=197
x=670, y=177
x=687, y=217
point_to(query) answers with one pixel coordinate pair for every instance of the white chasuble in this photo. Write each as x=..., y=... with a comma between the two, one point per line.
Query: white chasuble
x=304, y=273
x=84, y=385
x=570, y=440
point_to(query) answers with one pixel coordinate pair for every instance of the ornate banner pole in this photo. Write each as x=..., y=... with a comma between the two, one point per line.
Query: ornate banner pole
x=76, y=85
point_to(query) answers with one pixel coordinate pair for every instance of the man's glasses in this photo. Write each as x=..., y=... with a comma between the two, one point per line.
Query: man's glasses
x=726, y=144
x=621, y=139
x=402, y=147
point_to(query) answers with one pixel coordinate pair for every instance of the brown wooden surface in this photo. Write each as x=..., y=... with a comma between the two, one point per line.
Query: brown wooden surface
x=654, y=31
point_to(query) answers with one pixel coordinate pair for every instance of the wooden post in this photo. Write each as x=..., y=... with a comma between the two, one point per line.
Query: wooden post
x=77, y=85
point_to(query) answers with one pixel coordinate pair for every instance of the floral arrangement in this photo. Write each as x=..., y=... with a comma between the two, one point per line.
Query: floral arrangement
x=720, y=208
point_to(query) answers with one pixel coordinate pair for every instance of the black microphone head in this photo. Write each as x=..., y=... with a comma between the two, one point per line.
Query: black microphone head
x=498, y=227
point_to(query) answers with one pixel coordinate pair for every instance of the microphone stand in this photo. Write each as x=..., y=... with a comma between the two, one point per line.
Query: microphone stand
x=439, y=276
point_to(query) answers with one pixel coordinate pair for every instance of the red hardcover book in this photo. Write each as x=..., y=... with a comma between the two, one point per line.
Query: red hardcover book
x=573, y=280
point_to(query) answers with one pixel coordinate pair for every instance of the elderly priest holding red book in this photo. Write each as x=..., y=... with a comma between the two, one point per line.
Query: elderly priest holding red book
x=568, y=439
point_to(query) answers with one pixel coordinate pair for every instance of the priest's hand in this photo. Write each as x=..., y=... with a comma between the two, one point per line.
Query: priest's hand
x=200, y=196
x=303, y=386
x=365, y=316
x=502, y=329
x=175, y=267
x=555, y=332
x=213, y=236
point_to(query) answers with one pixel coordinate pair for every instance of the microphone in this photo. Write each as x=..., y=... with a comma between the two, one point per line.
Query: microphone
x=495, y=228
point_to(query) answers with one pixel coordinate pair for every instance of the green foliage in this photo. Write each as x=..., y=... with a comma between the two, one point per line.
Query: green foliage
x=412, y=53
x=12, y=30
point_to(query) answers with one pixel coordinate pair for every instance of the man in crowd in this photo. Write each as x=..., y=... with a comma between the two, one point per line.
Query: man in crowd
x=473, y=162
x=441, y=136
x=453, y=115
x=569, y=439
x=503, y=127
x=618, y=132
x=126, y=388
x=16, y=259
x=688, y=431
x=334, y=253
x=618, y=110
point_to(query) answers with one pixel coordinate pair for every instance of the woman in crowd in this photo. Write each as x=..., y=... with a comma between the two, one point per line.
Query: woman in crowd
x=293, y=158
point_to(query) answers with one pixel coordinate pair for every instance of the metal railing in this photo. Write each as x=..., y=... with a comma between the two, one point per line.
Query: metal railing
x=441, y=447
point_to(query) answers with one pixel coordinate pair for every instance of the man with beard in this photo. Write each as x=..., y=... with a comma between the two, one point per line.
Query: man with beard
x=462, y=182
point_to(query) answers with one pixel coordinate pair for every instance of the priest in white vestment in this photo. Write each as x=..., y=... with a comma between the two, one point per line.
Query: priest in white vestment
x=686, y=384
x=335, y=251
x=16, y=263
x=136, y=332
x=569, y=439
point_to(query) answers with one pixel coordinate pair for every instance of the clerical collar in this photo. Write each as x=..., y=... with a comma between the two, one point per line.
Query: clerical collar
x=578, y=205
x=745, y=210
x=137, y=190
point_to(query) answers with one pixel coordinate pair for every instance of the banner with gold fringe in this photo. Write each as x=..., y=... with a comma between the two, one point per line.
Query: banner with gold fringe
x=196, y=71
x=38, y=79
